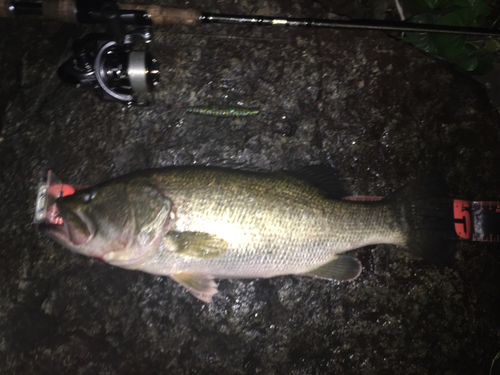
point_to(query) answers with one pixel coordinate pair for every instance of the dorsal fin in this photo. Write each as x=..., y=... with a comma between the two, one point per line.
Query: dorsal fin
x=325, y=178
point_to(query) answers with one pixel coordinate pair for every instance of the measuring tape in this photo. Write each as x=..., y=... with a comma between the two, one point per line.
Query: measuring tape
x=474, y=221
x=477, y=221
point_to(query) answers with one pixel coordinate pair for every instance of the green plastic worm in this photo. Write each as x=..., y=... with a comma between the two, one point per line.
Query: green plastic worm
x=223, y=111
x=218, y=111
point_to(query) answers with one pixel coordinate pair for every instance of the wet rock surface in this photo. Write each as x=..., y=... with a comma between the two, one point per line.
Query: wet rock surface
x=378, y=110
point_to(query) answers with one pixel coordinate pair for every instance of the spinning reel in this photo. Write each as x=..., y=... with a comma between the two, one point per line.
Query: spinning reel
x=109, y=61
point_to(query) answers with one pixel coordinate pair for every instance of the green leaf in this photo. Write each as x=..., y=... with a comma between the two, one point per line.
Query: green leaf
x=468, y=3
x=422, y=41
x=480, y=7
x=449, y=45
x=492, y=45
x=421, y=5
x=484, y=66
x=465, y=62
x=436, y=4
x=430, y=5
x=430, y=18
x=485, y=60
x=459, y=17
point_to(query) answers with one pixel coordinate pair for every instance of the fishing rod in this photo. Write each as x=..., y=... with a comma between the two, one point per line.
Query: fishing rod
x=111, y=63
x=87, y=11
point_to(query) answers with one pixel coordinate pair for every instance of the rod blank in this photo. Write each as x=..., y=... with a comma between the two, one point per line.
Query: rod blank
x=345, y=24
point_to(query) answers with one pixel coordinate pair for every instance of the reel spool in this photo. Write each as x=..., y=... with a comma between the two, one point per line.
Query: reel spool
x=117, y=71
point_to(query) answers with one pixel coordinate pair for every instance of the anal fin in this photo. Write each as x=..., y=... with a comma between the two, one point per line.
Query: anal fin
x=202, y=286
x=342, y=267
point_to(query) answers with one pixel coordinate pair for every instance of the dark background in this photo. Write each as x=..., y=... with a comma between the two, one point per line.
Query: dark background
x=377, y=109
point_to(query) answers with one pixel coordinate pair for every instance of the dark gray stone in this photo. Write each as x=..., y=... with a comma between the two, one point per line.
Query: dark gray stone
x=378, y=110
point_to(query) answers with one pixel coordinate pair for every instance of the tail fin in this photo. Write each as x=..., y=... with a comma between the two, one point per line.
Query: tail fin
x=426, y=214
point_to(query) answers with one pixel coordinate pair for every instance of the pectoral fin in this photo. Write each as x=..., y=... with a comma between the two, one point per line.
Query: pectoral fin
x=201, y=286
x=196, y=244
x=342, y=267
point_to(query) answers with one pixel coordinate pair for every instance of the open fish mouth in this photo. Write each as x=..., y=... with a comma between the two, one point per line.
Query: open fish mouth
x=68, y=227
x=74, y=231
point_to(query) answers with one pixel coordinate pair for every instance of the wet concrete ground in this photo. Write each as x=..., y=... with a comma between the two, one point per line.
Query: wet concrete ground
x=378, y=110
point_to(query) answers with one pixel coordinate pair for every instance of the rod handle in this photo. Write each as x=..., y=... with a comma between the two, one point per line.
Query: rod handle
x=59, y=10
x=4, y=9
x=166, y=16
x=65, y=11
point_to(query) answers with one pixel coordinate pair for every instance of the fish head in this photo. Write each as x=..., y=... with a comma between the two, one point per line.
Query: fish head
x=120, y=222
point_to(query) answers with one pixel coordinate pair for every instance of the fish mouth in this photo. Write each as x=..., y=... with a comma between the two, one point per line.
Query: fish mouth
x=76, y=228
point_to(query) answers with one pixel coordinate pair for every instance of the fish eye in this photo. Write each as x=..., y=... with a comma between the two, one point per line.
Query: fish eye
x=88, y=196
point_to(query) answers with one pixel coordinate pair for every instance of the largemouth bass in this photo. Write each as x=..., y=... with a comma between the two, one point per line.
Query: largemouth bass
x=196, y=224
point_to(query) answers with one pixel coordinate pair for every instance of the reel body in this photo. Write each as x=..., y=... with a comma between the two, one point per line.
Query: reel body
x=109, y=61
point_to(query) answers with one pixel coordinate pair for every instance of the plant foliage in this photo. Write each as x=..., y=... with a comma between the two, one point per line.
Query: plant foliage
x=472, y=57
